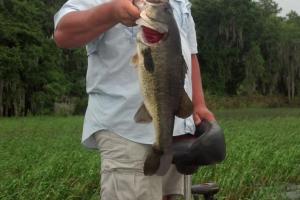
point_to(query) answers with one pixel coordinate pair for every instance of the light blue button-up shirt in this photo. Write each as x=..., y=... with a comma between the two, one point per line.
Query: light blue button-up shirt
x=112, y=83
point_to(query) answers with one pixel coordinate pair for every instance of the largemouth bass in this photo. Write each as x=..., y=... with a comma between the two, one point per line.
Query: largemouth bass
x=161, y=70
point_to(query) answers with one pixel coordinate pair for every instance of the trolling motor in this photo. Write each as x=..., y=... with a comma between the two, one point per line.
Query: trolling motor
x=205, y=147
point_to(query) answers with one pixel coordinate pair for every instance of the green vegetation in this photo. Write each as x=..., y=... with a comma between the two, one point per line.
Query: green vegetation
x=34, y=73
x=41, y=157
x=245, y=49
x=263, y=156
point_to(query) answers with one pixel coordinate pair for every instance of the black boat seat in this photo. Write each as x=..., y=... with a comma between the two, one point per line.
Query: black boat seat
x=206, y=147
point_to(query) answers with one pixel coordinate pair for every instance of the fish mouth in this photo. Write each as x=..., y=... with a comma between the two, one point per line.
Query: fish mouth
x=153, y=31
x=152, y=37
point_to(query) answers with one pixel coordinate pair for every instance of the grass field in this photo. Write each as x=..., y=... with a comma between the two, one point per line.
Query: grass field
x=41, y=157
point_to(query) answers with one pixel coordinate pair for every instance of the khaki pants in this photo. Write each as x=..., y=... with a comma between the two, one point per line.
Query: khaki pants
x=122, y=175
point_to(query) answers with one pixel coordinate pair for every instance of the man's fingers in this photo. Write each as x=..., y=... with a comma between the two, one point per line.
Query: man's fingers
x=197, y=119
x=210, y=117
x=126, y=12
x=133, y=11
x=203, y=115
x=129, y=23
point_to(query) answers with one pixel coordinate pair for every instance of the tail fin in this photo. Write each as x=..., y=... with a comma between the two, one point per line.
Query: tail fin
x=152, y=162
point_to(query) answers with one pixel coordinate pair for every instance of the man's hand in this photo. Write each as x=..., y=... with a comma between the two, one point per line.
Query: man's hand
x=125, y=12
x=200, y=113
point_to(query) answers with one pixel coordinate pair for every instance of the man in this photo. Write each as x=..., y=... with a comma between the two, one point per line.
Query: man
x=107, y=28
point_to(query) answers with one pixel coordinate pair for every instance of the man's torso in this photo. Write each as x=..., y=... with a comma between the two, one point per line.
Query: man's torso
x=112, y=82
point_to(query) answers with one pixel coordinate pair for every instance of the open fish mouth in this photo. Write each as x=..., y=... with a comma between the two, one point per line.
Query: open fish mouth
x=154, y=28
x=153, y=32
x=151, y=36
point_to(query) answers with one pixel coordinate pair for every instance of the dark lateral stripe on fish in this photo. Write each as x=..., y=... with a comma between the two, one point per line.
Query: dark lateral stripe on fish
x=148, y=60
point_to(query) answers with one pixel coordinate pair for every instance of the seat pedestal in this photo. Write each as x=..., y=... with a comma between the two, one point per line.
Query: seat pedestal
x=208, y=190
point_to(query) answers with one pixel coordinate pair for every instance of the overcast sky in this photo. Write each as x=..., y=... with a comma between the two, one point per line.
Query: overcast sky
x=288, y=5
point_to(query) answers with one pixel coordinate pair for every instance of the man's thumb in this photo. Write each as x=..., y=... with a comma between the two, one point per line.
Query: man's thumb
x=197, y=119
x=133, y=11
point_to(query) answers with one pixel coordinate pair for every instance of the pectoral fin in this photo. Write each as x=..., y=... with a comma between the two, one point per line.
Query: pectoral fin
x=135, y=60
x=142, y=115
x=185, y=107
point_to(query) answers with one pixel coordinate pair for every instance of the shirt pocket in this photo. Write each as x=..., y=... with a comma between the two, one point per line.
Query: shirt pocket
x=118, y=32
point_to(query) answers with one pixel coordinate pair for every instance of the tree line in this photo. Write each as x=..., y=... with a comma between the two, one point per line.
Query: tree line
x=245, y=48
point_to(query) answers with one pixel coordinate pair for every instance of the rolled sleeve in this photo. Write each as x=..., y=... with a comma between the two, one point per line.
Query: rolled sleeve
x=74, y=5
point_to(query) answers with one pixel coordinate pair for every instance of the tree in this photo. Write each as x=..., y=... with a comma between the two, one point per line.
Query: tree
x=34, y=73
x=254, y=69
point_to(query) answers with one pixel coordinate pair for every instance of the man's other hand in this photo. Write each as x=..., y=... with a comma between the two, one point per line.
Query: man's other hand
x=202, y=113
x=125, y=12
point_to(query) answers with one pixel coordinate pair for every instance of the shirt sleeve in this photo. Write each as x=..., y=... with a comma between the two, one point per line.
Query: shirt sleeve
x=192, y=36
x=74, y=5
